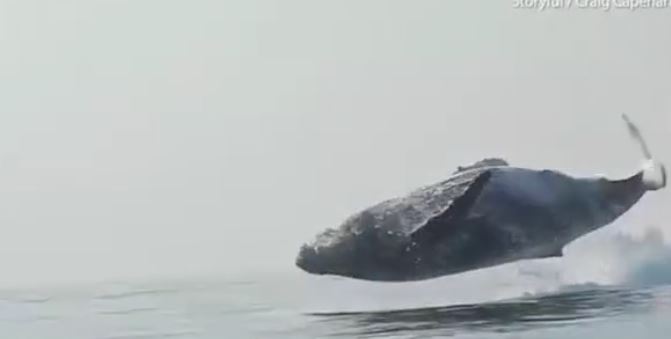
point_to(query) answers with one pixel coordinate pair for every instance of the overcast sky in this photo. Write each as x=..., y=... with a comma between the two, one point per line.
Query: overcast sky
x=142, y=138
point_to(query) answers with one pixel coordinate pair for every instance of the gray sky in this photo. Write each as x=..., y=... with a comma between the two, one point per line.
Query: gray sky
x=143, y=138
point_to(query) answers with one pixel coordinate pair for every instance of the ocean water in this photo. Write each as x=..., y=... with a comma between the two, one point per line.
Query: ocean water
x=611, y=287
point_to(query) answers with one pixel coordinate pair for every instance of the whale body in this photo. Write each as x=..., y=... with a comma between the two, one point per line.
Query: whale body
x=483, y=215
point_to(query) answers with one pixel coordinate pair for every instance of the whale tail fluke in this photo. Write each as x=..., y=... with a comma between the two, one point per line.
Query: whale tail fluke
x=654, y=172
x=654, y=175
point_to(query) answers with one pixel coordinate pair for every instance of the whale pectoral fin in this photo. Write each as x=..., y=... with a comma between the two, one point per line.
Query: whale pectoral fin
x=442, y=224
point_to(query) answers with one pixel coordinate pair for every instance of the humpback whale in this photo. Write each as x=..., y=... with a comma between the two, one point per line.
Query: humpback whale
x=486, y=214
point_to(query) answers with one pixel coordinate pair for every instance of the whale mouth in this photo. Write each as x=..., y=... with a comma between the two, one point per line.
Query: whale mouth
x=308, y=260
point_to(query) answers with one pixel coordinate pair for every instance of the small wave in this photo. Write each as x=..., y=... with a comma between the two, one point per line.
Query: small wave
x=27, y=299
x=241, y=283
x=129, y=311
x=152, y=334
x=253, y=309
x=135, y=293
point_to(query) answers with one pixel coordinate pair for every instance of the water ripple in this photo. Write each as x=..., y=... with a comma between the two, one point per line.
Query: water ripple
x=135, y=293
x=129, y=311
x=152, y=334
x=507, y=316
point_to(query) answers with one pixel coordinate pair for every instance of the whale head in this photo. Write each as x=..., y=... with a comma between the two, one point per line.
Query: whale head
x=356, y=249
x=331, y=252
